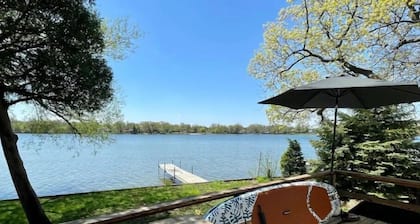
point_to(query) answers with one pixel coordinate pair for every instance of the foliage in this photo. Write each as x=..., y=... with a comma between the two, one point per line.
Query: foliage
x=312, y=39
x=52, y=57
x=267, y=168
x=148, y=127
x=61, y=69
x=66, y=208
x=324, y=144
x=292, y=161
x=377, y=141
x=119, y=37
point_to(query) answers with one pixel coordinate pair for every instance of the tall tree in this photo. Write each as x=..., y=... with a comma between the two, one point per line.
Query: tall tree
x=292, y=161
x=312, y=39
x=378, y=141
x=51, y=55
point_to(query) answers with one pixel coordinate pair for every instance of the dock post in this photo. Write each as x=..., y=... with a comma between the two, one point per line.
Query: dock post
x=164, y=173
x=174, y=175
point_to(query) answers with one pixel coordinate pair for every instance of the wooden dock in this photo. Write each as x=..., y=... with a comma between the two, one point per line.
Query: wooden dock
x=180, y=175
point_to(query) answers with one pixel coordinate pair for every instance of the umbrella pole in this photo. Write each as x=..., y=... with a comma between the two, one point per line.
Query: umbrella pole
x=333, y=143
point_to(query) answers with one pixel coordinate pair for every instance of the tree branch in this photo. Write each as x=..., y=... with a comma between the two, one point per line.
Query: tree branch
x=58, y=114
x=293, y=64
x=348, y=27
x=404, y=42
x=366, y=72
x=414, y=13
x=28, y=96
x=327, y=32
x=307, y=23
x=322, y=59
x=22, y=99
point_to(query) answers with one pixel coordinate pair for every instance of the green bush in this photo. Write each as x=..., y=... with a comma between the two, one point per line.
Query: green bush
x=377, y=141
x=292, y=161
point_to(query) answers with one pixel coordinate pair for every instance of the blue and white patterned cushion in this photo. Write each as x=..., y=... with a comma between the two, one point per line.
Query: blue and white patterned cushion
x=239, y=209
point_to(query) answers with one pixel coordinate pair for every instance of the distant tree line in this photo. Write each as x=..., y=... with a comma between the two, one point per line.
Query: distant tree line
x=149, y=127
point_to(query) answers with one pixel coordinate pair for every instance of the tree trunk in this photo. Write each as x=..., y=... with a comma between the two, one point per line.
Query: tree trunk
x=30, y=203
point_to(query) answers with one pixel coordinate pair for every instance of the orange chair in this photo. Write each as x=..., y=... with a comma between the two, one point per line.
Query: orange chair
x=301, y=202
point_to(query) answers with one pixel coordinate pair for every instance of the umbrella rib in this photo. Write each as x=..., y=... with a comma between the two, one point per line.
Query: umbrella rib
x=342, y=92
x=310, y=98
x=360, y=100
x=406, y=91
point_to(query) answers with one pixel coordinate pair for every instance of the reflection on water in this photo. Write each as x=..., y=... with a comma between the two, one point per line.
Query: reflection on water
x=63, y=165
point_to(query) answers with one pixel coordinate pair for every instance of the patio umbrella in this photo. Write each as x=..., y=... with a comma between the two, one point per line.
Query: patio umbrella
x=346, y=92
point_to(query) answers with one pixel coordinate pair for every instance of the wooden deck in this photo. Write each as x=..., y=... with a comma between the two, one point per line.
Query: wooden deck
x=363, y=220
x=182, y=220
x=180, y=175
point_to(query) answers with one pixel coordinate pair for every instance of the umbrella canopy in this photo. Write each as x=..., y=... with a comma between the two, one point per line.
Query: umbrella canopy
x=351, y=92
x=346, y=92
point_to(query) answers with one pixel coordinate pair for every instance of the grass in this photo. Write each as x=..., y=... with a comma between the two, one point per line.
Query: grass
x=70, y=207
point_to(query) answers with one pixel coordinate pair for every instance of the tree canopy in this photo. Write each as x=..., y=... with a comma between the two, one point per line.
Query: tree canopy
x=312, y=39
x=148, y=127
x=52, y=56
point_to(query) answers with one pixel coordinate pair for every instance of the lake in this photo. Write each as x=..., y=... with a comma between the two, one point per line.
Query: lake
x=63, y=165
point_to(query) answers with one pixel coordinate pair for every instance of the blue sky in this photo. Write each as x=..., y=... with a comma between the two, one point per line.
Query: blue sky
x=190, y=65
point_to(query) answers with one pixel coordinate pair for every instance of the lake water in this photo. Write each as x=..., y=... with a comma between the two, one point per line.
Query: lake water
x=63, y=165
